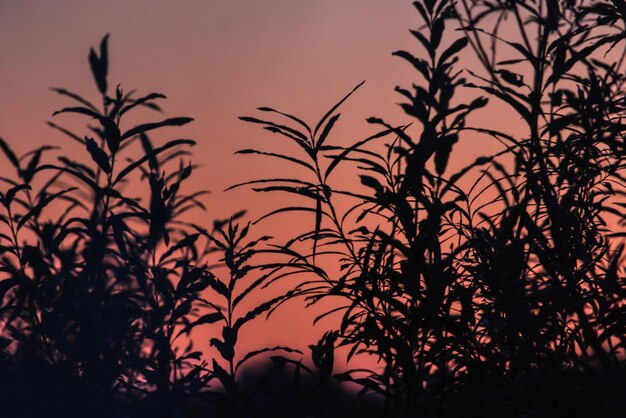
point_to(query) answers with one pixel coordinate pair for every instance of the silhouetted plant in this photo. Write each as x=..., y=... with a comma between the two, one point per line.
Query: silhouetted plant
x=456, y=296
x=90, y=295
x=238, y=255
x=495, y=290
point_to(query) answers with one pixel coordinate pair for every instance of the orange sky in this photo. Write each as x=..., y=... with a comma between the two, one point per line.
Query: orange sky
x=216, y=60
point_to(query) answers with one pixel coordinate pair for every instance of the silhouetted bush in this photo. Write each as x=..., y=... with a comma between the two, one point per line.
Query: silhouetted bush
x=496, y=290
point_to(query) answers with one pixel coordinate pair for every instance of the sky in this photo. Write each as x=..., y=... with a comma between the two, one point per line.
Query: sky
x=215, y=60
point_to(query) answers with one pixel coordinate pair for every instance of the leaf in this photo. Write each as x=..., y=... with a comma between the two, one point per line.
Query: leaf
x=142, y=101
x=288, y=189
x=150, y=126
x=10, y=194
x=271, y=154
x=454, y=49
x=220, y=287
x=188, y=241
x=443, y=150
x=204, y=319
x=133, y=166
x=323, y=355
x=436, y=33
x=73, y=173
x=510, y=62
x=222, y=375
x=287, y=209
x=80, y=110
x=149, y=152
x=332, y=110
x=66, y=132
x=365, y=382
x=9, y=153
x=98, y=155
x=264, y=307
x=553, y=16
x=74, y=96
x=166, y=290
x=327, y=128
x=43, y=202
x=419, y=64
x=28, y=173
x=421, y=38
x=370, y=181
x=111, y=134
x=261, y=280
x=272, y=180
x=255, y=353
x=295, y=119
x=519, y=107
x=100, y=65
x=353, y=147
x=226, y=348
x=576, y=57
x=512, y=78
x=118, y=235
x=285, y=128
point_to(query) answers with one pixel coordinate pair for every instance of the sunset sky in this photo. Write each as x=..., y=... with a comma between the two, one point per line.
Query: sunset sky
x=443, y=236
x=215, y=60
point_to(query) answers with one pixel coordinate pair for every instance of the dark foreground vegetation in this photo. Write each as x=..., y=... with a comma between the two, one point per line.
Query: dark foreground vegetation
x=494, y=291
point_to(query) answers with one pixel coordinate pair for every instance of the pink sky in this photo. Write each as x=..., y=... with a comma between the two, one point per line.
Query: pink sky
x=215, y=60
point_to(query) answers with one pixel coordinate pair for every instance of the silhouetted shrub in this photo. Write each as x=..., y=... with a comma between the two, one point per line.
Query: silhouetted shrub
x=491, y=294
x=495, y=290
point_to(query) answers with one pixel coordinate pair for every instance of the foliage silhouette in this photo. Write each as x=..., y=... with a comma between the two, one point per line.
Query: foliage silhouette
x=493, y=290
x=484, y=295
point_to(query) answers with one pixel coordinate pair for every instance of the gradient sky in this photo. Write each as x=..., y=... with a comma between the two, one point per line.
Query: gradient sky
x=215, y=60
